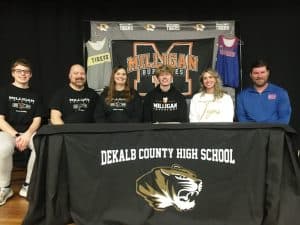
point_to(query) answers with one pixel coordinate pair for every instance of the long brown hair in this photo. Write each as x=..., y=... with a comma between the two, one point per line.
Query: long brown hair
x=112, y=89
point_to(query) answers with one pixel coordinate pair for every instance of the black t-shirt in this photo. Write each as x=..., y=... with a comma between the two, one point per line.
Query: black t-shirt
x=20, y=106
x=167, y=106
x=119, y=110
x=75, y=106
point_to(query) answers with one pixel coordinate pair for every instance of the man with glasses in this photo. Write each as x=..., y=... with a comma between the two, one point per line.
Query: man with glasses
x=20, y=117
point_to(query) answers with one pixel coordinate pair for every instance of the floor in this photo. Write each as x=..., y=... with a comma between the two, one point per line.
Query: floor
x=13, y=212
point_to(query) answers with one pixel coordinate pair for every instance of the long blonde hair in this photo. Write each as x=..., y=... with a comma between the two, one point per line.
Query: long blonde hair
x=112, y=90
x=218, y=88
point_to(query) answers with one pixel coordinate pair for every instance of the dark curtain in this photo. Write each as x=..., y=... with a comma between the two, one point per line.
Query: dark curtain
x=51, y=36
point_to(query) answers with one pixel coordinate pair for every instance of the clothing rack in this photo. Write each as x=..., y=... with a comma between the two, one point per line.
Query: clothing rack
x=241, y=43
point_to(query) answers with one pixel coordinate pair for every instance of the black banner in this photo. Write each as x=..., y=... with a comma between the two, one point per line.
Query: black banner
x=164, y=174
x=188, y=58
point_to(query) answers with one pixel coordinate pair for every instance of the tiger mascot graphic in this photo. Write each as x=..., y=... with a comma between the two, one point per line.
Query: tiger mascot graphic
x=175, y=186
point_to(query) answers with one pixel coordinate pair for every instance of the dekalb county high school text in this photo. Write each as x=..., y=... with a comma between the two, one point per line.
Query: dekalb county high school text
x=218, y=155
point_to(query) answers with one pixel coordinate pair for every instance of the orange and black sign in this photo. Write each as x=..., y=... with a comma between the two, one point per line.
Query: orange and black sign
x=188, y=58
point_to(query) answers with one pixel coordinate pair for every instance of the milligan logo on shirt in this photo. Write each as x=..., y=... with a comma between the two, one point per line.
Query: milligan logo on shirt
x=165, y=106
x=21, y=99
x=118, y=103
x=21, y=106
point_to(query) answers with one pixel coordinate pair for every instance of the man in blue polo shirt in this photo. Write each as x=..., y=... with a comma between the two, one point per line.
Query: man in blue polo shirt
x=264, y=102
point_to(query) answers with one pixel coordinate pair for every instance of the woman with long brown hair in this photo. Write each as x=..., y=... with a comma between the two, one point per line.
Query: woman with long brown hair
x=118, y=102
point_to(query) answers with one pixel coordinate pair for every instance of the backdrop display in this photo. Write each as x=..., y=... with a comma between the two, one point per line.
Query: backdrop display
x=165, y=174
x=188, y=47
x=142, y=57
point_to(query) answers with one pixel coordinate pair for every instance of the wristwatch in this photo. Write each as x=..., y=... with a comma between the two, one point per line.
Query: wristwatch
x=17, y=134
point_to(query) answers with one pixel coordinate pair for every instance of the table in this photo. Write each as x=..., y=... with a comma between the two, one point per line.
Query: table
x=165, y=174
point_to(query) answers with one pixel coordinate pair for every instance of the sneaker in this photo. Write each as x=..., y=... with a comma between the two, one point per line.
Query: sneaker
x=23, y=191
x=5, y=193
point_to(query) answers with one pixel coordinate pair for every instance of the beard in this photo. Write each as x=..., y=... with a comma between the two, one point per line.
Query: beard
x=260, y=82
x=78, y=83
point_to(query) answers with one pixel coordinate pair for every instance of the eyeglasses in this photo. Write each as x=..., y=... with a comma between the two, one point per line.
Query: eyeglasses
x=18, y=71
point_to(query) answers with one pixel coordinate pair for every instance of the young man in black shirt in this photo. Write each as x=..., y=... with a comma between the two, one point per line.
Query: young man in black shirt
x=165, y=103
x=20, y=117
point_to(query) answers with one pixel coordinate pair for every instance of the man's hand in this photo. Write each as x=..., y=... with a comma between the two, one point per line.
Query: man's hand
x=22, y=141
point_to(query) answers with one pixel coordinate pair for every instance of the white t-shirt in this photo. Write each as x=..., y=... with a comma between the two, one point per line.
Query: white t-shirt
x=204, y=108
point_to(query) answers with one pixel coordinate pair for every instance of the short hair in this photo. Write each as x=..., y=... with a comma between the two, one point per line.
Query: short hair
x=164, y=68
x=21, y=61
x=259, y=63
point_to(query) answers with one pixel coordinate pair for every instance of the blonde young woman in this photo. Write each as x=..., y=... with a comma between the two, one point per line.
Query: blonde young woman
x=211, y=104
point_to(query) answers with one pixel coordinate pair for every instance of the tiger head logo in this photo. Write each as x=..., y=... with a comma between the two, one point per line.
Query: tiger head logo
x=102, y=26
x=199, y=27
x=175, y=186
x=149, y=27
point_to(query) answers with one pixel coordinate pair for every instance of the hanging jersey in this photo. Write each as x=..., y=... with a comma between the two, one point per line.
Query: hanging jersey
x=99, y=64
x=227, y=63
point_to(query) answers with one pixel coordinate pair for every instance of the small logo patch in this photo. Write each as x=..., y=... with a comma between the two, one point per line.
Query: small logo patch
x=272, y=96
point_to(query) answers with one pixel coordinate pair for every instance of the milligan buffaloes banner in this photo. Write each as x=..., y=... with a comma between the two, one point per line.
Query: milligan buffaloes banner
x=188, y=47
x=164, y=174
x=188, y=58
